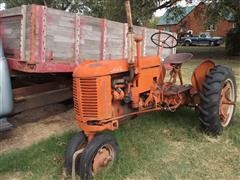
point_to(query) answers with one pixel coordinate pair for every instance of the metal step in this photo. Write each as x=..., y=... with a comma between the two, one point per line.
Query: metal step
x=5, y=125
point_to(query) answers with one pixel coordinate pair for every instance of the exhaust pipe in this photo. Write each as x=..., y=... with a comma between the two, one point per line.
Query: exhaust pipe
x=131, y=42
x=6, y=97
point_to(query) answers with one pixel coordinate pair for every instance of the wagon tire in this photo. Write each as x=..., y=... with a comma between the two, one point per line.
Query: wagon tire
x=101, y=152
x=77, y=142
x=217, y=100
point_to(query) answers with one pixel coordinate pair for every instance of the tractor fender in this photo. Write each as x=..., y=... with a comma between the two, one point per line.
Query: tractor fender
x=199, y=74
x=6, y=97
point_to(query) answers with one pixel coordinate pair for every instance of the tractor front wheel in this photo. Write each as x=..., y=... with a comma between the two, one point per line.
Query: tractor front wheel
x=218, y=100
x=79, y=141
x=99, y=153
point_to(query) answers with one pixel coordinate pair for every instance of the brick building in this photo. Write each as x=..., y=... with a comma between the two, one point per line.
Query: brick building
x=194, y=20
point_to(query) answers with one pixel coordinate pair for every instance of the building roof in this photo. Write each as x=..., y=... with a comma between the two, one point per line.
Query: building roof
x=229, y=17
x=169, y=19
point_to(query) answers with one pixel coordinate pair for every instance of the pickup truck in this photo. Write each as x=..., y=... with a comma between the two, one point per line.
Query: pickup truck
x=202, y=39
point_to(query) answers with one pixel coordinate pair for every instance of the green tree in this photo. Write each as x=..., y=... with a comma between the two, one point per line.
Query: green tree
x=218, y=9
x=229, y=9
x=71, y=5
x=232, y=42
x=152, y=23
x=143, y=10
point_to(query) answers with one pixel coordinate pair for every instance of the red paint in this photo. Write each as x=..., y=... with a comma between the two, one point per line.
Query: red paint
x=33, y=34
x=47, y=67
x=107, y=46
x=41, y=33
x=77, y=38
x=1, y=28
x=103, y=25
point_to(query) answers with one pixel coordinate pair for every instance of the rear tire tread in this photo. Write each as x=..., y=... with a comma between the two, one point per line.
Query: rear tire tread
x=209, y=104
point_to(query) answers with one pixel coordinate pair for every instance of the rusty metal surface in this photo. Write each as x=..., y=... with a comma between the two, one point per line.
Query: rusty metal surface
x=77, y=37
x=33, y=35
x=41, y=30
x=199, y=74
x=178, y=58
x=23, y=32
x=129, y=16
x=103, y=158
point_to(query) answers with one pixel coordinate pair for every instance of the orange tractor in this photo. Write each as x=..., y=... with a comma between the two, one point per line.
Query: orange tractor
x=108, y=92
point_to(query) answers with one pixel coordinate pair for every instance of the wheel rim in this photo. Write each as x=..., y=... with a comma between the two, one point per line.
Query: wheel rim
x=227, y=102
x=103, y=158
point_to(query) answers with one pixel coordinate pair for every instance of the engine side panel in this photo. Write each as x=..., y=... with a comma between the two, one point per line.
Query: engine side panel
x=146, y=78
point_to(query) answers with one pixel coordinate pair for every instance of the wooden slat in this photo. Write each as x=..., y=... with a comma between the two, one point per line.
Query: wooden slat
x=58, y=39
x=11, y=12
x=43, y=99
x=23, y=33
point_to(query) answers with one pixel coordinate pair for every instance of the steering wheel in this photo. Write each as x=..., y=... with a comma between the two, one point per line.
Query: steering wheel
x=160, y=40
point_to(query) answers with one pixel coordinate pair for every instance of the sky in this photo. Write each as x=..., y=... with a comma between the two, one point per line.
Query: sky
x=2, y=6
x=181, y=3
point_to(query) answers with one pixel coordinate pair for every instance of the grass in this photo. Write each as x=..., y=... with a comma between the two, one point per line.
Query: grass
x=217, y=54
x=166, y=145
x=160, y=145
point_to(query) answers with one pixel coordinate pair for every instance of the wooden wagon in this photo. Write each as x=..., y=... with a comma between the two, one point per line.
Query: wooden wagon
x=44, y=40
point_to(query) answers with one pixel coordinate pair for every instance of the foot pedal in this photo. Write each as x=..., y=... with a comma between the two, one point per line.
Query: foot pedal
x=5, y=125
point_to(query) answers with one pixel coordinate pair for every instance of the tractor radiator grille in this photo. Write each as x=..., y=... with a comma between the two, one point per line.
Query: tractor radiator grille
x=85, y=97
x=92, y=98
x=76, y=96
x=89, y=98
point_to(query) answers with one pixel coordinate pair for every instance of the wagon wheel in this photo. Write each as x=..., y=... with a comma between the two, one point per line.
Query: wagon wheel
x=99, y=154
x=218, y=100
x=157, y=40
x=78, y=142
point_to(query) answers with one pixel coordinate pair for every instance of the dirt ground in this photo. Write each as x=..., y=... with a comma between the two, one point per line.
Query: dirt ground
x=38, y=124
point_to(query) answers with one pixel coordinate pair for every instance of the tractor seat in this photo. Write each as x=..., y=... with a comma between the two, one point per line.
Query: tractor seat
x=178, y=58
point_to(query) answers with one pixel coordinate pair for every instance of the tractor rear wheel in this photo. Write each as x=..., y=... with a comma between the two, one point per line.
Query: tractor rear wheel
x=77, y=142
x=218, y=100
x=99, y=153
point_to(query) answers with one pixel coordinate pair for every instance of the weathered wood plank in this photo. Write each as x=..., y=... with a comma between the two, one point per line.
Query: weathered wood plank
x=60, y=35
x=11, y=12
